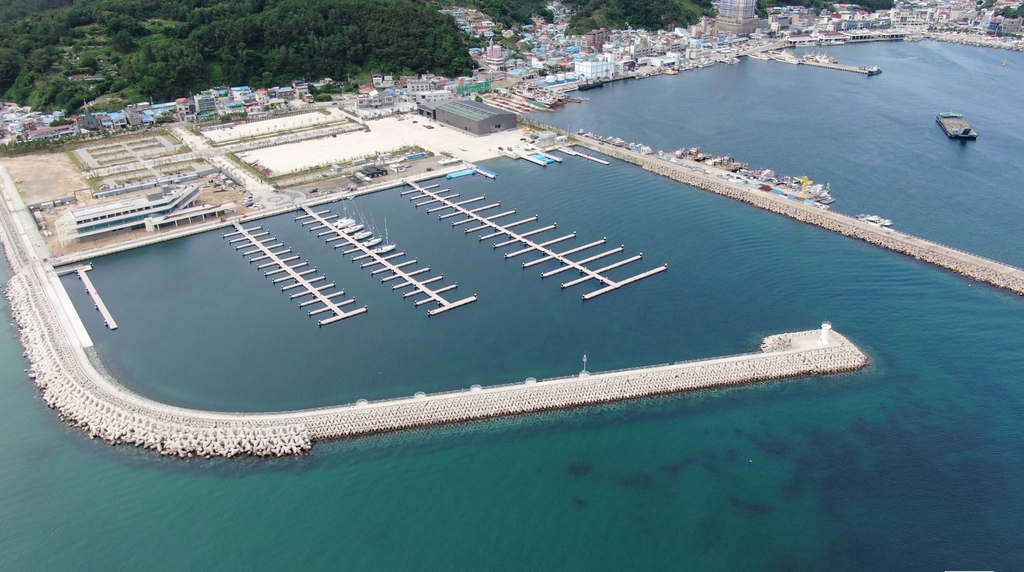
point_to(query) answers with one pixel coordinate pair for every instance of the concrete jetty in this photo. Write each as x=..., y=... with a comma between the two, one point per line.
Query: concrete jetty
x=542, y=247
x=969, y=265
x=396, y=270
x=840, y=67
x=295, y=279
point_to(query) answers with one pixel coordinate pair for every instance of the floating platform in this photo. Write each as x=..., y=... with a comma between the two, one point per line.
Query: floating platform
x=462, y=173
x=486, y=173
x=574, y=153
x=955, y=126
x=528, y=245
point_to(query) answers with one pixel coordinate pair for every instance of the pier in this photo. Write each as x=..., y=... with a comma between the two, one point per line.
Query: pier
x=842, y=67
x=490, y=223
x=108, y=320
x=575, y=153
x=293, y=279
x=419, y=286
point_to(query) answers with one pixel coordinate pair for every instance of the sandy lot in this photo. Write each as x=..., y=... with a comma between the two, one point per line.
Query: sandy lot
x=264, y=128
x=44, y=177
x=384, y=135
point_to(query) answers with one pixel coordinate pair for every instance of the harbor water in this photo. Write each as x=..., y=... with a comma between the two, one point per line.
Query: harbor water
x=910, y=464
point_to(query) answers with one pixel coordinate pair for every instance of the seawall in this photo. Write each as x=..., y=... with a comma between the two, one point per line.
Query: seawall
x=966, y=264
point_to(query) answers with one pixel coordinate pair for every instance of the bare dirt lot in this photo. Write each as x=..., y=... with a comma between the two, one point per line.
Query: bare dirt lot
x=44, y=177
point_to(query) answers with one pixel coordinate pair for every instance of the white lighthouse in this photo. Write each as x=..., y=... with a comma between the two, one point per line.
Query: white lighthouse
x=826, y=327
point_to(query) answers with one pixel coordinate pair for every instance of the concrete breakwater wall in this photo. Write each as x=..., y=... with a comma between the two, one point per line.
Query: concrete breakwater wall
x=966, y=264
x=785, y=356
x=119, y=417
x=110, y=412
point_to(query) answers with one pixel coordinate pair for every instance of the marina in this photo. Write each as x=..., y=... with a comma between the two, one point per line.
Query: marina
x=278, y=263
x=376, y=258
x=514, y=237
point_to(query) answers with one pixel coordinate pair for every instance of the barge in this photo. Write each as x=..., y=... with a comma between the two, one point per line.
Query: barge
x=955, y=126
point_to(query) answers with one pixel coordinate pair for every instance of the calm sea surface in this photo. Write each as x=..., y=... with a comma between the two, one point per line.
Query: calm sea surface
x=911, y=464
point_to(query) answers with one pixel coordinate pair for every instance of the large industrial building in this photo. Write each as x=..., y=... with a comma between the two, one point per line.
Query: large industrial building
x=470, y=116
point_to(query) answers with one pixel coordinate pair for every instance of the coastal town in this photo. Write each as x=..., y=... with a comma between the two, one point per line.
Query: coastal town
x=536, y=66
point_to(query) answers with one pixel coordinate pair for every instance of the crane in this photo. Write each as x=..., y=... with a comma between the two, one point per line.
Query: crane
x=804, y=183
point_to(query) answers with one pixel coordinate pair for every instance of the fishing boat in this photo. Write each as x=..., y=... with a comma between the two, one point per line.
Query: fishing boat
x=874, y=219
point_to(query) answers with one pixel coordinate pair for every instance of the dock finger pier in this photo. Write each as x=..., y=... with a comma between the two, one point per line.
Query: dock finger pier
x=380, y=261
x=490, y=227
x=286, y=269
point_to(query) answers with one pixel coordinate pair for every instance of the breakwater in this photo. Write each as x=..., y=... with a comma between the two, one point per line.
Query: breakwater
x=73, y=382
x=966, y=264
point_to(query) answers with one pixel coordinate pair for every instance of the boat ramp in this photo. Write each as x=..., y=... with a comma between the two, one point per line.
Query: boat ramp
x=278, y=262
x=490, y=223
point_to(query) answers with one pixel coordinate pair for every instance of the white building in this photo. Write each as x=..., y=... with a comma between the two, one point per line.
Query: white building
x=594, y=69
x=434, y=96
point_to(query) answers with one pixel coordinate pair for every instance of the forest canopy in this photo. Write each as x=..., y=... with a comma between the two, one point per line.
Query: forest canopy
x=161, y=49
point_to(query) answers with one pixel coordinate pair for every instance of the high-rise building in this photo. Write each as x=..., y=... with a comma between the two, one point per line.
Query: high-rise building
x=737, y=16
x=737, y=9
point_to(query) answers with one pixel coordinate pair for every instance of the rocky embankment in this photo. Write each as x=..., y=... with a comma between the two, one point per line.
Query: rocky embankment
x=964, y=263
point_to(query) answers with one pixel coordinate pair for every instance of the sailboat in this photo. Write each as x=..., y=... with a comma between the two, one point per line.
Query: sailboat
x=388, y=247
x=374, y=240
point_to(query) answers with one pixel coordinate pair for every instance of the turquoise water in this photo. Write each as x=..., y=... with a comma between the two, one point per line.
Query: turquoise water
x=911, y=464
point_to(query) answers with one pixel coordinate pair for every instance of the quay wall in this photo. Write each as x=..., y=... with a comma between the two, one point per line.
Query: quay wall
x=966, y=264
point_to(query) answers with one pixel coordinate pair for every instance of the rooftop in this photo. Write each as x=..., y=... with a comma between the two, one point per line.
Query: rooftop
x=470, y=109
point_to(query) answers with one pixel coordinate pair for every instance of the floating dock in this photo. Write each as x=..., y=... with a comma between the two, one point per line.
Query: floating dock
x=410, y=278
x=462, y=173
x=574, y=153
x=108, y=320
x=490, y=223
x=302, y=282
x=486, y=173
x=536, y=159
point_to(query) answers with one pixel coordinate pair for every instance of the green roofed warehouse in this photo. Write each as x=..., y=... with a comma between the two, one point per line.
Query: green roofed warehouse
x=471, y=116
